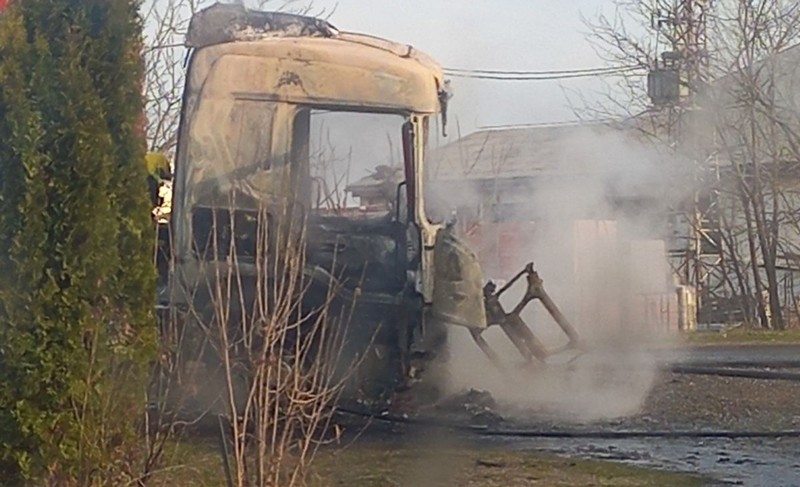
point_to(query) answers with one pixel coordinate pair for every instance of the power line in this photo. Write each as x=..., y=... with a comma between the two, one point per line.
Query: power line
x=546, y=72
x=536, y=78
x=560, y=123
x=505, y=75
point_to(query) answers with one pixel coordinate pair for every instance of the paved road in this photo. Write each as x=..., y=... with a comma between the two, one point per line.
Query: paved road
x=770, y=356
x=733, y=355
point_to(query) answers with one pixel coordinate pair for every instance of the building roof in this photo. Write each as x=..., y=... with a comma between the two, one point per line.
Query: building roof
x=527, y=151
x=782, y=65
x=383, y=179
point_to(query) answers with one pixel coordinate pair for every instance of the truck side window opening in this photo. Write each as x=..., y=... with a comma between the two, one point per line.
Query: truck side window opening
x=231, y=142
x=250, y=134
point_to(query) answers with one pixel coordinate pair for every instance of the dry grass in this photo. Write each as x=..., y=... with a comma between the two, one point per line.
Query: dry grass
x=383, y=467
x=365, y=465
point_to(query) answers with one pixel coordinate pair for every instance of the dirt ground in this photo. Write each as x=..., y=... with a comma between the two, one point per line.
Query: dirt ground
x=676, y=402
x=706, y=402
x=680, y=402
x=694, y=403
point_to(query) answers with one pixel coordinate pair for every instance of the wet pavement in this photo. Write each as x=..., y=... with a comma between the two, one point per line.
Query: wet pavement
x=749, y=462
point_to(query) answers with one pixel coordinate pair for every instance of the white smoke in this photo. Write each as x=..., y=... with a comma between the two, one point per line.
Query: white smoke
x=598, y=212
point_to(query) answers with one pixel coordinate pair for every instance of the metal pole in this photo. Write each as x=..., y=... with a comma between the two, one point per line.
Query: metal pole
x=223, y=450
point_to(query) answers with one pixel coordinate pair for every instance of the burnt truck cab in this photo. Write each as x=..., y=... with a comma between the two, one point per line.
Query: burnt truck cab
x=258, y=83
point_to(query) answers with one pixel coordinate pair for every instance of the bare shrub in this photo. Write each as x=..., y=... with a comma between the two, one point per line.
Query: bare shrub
x=269, y=338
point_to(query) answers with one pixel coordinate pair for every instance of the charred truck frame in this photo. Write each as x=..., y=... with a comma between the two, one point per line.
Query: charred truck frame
x=405, y=276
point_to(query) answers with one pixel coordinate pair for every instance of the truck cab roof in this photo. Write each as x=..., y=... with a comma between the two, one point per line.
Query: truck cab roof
x=299, y=59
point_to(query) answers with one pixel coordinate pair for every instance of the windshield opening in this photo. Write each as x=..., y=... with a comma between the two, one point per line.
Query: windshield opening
x=355, y=161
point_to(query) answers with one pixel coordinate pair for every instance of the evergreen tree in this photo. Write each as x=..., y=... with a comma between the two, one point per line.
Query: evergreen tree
x=76, y=278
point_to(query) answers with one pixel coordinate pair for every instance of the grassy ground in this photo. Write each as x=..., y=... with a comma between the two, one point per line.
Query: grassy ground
x=371, y=465
x=191, y=465
x=744, y=336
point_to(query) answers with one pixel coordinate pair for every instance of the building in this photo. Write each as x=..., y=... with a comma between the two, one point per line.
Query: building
x=588, y=203
x=740, y=136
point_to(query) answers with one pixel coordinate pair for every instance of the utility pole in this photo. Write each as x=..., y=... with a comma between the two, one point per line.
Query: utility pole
x=676, y=85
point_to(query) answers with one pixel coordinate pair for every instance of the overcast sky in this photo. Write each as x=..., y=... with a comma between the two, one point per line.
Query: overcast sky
x=484, y=34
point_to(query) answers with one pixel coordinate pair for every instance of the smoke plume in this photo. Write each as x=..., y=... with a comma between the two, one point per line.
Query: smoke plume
x=593, y=218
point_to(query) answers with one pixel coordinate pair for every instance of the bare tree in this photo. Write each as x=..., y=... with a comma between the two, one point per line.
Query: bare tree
x=166, y=23
x=742, y=115
x=277, y=397
x=757, y=129
x=279, y=356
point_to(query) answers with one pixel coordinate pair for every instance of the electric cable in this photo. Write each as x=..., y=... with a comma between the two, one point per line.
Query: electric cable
x=543, y=72
x=510, y=75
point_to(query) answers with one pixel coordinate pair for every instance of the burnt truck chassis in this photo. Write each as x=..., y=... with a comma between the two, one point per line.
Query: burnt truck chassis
x=357, y=269
x=370, y=258
x=365, y=261
x=407, y=278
